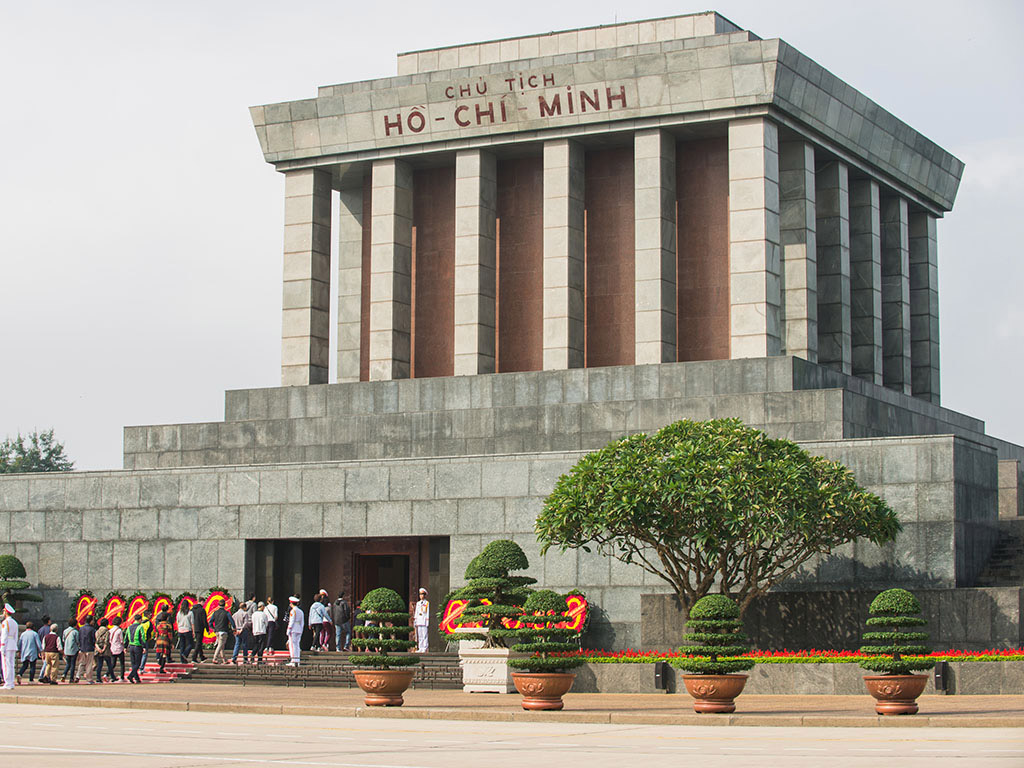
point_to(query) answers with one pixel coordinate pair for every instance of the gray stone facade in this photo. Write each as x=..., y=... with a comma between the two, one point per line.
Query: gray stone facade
x=672, y=81
x=827, y=254
x=539, y=411
x=969, y=619
x=476, y=456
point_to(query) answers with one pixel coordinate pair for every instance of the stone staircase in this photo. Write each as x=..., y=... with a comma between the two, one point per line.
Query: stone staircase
x=436, y=671
x=1006, y=565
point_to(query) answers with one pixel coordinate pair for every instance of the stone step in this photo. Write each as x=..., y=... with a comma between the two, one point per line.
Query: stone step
x=435, y=671
x=1005, y=566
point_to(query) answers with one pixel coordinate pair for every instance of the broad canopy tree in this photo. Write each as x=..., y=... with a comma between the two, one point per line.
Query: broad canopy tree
x=712, y=504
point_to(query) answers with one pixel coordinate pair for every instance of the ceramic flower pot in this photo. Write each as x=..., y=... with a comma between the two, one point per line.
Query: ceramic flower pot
x=714, y=693
x=896, y=694
x=543, y=690
x=384, y=687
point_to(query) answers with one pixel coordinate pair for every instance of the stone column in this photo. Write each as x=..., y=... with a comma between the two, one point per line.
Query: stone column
x=654, y=164
x=390, y=270
x=755, y=289
x=833, y=214
x=896, y=370
x=924, y=307
x=350, y=281
x=305, y=334
x=866, y=279
x=798, y=229
x=564, y=273
x=476, y=197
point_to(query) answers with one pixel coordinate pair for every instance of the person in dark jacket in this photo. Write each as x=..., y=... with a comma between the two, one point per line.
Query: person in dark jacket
x=223, y=625
x=87, y=649
x=199, y=627
x=341, y=617
x=51, y=656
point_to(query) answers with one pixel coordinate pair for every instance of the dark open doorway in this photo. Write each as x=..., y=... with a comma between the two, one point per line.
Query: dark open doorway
x=282, y=567
x=373, y=571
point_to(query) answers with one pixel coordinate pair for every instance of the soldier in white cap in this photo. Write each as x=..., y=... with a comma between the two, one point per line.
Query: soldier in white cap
x=296, y=623
x=421, y=620
x=8, y=645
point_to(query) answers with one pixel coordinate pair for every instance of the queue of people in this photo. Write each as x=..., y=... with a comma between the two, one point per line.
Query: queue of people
x=94, y=651
x=89, y=651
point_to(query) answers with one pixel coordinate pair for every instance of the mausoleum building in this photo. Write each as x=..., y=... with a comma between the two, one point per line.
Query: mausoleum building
x=541, y=244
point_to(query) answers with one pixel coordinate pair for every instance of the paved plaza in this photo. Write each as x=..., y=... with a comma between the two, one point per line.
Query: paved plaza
x=61, y=735
x=595, y=708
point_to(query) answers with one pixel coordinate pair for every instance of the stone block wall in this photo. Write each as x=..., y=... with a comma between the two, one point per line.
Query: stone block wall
x=968, y=619
x=1011, y=489
x=187, y=528
x=971, y=678
x=578, y=409
x=944, y=491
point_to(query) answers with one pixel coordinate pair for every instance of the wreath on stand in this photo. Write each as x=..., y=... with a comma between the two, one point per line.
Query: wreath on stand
x=114, y=606
x=138, y=605
x=83, y=605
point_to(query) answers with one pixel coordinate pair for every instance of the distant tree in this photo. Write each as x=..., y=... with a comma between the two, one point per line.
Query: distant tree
x=38, y=452
x=711, y=504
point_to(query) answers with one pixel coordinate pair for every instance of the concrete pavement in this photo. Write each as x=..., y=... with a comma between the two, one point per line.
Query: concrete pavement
x=646, y=709
x=62, y=736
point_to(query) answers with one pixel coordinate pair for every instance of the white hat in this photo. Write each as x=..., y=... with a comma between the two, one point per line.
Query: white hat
x=293, y=599
x=423, y=590
x=8, y=608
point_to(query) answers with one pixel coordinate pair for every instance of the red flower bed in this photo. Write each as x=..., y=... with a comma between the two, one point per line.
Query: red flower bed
x=808, y=656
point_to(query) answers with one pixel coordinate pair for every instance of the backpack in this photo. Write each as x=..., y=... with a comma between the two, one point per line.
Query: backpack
x=346, y=612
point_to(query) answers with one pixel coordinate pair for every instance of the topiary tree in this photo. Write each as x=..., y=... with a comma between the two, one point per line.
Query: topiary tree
x=712, y=503
x=387, y=629
x=12, y=581
x=547, y=644
x=896, y=609
x=493, y=594
x=715, y=633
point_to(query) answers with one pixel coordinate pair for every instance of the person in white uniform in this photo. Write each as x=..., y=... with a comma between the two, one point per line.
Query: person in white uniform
x=296, y=623
x=421, y=620
x=8, y=645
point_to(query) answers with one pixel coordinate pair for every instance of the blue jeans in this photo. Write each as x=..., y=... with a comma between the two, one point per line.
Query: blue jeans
x=342, y=631
x=185, y=645
x=70, y=662
x=241, y=644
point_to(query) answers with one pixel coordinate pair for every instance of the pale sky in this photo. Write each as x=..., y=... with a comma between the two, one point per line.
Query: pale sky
x=141, y=230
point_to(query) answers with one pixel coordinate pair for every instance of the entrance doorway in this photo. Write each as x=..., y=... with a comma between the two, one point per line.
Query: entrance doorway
x=373, y=571
x=283, y=567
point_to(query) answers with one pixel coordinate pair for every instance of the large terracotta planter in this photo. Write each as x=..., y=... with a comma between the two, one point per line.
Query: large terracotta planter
x=543, y=690
x=896, y=694
x=384, y=687
x=714, y=693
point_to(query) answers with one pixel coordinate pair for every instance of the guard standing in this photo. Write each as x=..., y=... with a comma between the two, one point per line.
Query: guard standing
x=421, y=620
x=8, y=644
x=296, y=623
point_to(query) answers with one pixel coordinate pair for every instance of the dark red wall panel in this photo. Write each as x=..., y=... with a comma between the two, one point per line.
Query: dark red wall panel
x=520, y=253
x=433, y=273
x=702, y=215
x=610, y=238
